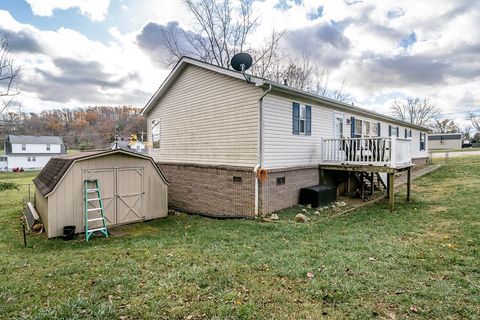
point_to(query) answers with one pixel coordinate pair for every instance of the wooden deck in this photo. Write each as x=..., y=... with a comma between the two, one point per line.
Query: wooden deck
x=370, y=168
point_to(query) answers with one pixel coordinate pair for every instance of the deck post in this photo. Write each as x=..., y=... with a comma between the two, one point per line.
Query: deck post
x=372, y=179
x=391, y=177
x=362, y=186
x=408, y=183
x=322, y=176
x=348, y=182
x=388, y=186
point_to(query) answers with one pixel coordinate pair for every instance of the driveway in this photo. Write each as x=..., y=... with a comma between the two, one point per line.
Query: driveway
x=456, y=154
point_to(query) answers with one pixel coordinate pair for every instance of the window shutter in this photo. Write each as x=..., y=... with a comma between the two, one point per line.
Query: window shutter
x=379, y=129
x=308, y=120
x=398, y=132
x=389, y=130
x=296, y=117
x=352, y=120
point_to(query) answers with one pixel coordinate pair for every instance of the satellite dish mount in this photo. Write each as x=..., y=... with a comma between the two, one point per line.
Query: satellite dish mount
x=242, y=62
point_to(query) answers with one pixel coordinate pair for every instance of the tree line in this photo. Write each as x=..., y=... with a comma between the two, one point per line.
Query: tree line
x=81, y=128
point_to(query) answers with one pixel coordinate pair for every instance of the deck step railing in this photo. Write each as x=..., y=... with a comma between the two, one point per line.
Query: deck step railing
x=376, y=151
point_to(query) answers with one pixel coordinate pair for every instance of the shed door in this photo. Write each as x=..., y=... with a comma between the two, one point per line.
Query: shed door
x=106, y=181
x=129, y=195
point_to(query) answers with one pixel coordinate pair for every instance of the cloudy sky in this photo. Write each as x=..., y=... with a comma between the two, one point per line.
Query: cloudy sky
x=91, y=52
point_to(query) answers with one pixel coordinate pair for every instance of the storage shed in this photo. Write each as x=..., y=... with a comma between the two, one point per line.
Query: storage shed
x=132, y=188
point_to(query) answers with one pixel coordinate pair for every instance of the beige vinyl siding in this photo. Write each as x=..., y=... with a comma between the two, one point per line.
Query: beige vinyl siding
x=415, y=142
x=207, y=118
x=65, y=203
x=281, y=148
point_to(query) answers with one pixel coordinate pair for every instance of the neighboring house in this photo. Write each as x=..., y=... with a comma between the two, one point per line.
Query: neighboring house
x=445, y=141
x=31, y=152
x=136, y=146
x=212, y=130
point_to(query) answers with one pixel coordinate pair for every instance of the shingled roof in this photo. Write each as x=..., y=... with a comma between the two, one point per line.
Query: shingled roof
x=56, y=168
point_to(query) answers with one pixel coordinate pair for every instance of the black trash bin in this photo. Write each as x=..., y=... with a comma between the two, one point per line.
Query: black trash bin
x=68, y=232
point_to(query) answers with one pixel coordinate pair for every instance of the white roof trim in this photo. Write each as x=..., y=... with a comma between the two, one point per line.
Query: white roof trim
x=177, y=70
x=276, y=86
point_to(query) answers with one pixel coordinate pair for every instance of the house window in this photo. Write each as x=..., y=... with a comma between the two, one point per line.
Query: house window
x=422, y=141
x=29, y=159
x=280, y=181
x=374, y=129
x=338, y=126
x=393, y=131
x=48, y=147
x=358, y=128
x=302, y=119
x=155, y=134
x=24, y=147
x=34, y=158
x=367, y=128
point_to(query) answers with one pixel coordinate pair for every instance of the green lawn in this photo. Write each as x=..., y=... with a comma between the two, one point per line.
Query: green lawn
x=421, y=261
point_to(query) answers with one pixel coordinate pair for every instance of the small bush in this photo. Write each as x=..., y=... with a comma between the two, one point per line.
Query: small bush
x=8, y=186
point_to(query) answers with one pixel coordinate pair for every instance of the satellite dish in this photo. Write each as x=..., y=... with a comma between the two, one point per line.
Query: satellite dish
x=241, y=61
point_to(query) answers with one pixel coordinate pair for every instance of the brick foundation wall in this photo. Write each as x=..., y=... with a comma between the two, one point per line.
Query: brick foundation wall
x=275, y=197
x=419, y=162
x=211, y=190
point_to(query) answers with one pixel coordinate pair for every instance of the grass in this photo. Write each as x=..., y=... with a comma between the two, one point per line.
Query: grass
x=422, y=261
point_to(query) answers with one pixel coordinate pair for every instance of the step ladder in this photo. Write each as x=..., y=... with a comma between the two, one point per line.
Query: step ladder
x=93, y=207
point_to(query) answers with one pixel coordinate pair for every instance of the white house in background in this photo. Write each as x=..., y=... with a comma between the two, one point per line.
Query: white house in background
x=236, y=145
x=445, y=141
x=30, y=152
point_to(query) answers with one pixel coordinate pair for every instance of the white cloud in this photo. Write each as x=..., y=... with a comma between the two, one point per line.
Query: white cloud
x=94, y=9
x=71, y=70
x=362, y=39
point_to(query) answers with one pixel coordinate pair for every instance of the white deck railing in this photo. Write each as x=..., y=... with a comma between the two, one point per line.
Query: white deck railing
x=392, y=151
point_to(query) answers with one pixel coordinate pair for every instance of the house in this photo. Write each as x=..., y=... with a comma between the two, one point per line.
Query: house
x=31, y=152
x=234, y=145
x=133, y=146
x=445, y=141
x=132, y=189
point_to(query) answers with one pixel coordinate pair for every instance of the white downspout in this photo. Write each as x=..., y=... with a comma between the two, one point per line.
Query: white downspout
x=260, y=149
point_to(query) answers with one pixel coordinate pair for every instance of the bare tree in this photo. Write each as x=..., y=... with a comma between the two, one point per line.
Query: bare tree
x=8, y=75
x=415, y=110
x=444, y=126
x=222, y=30
x=475, y=121
x=301, y=73
x=466, y=133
